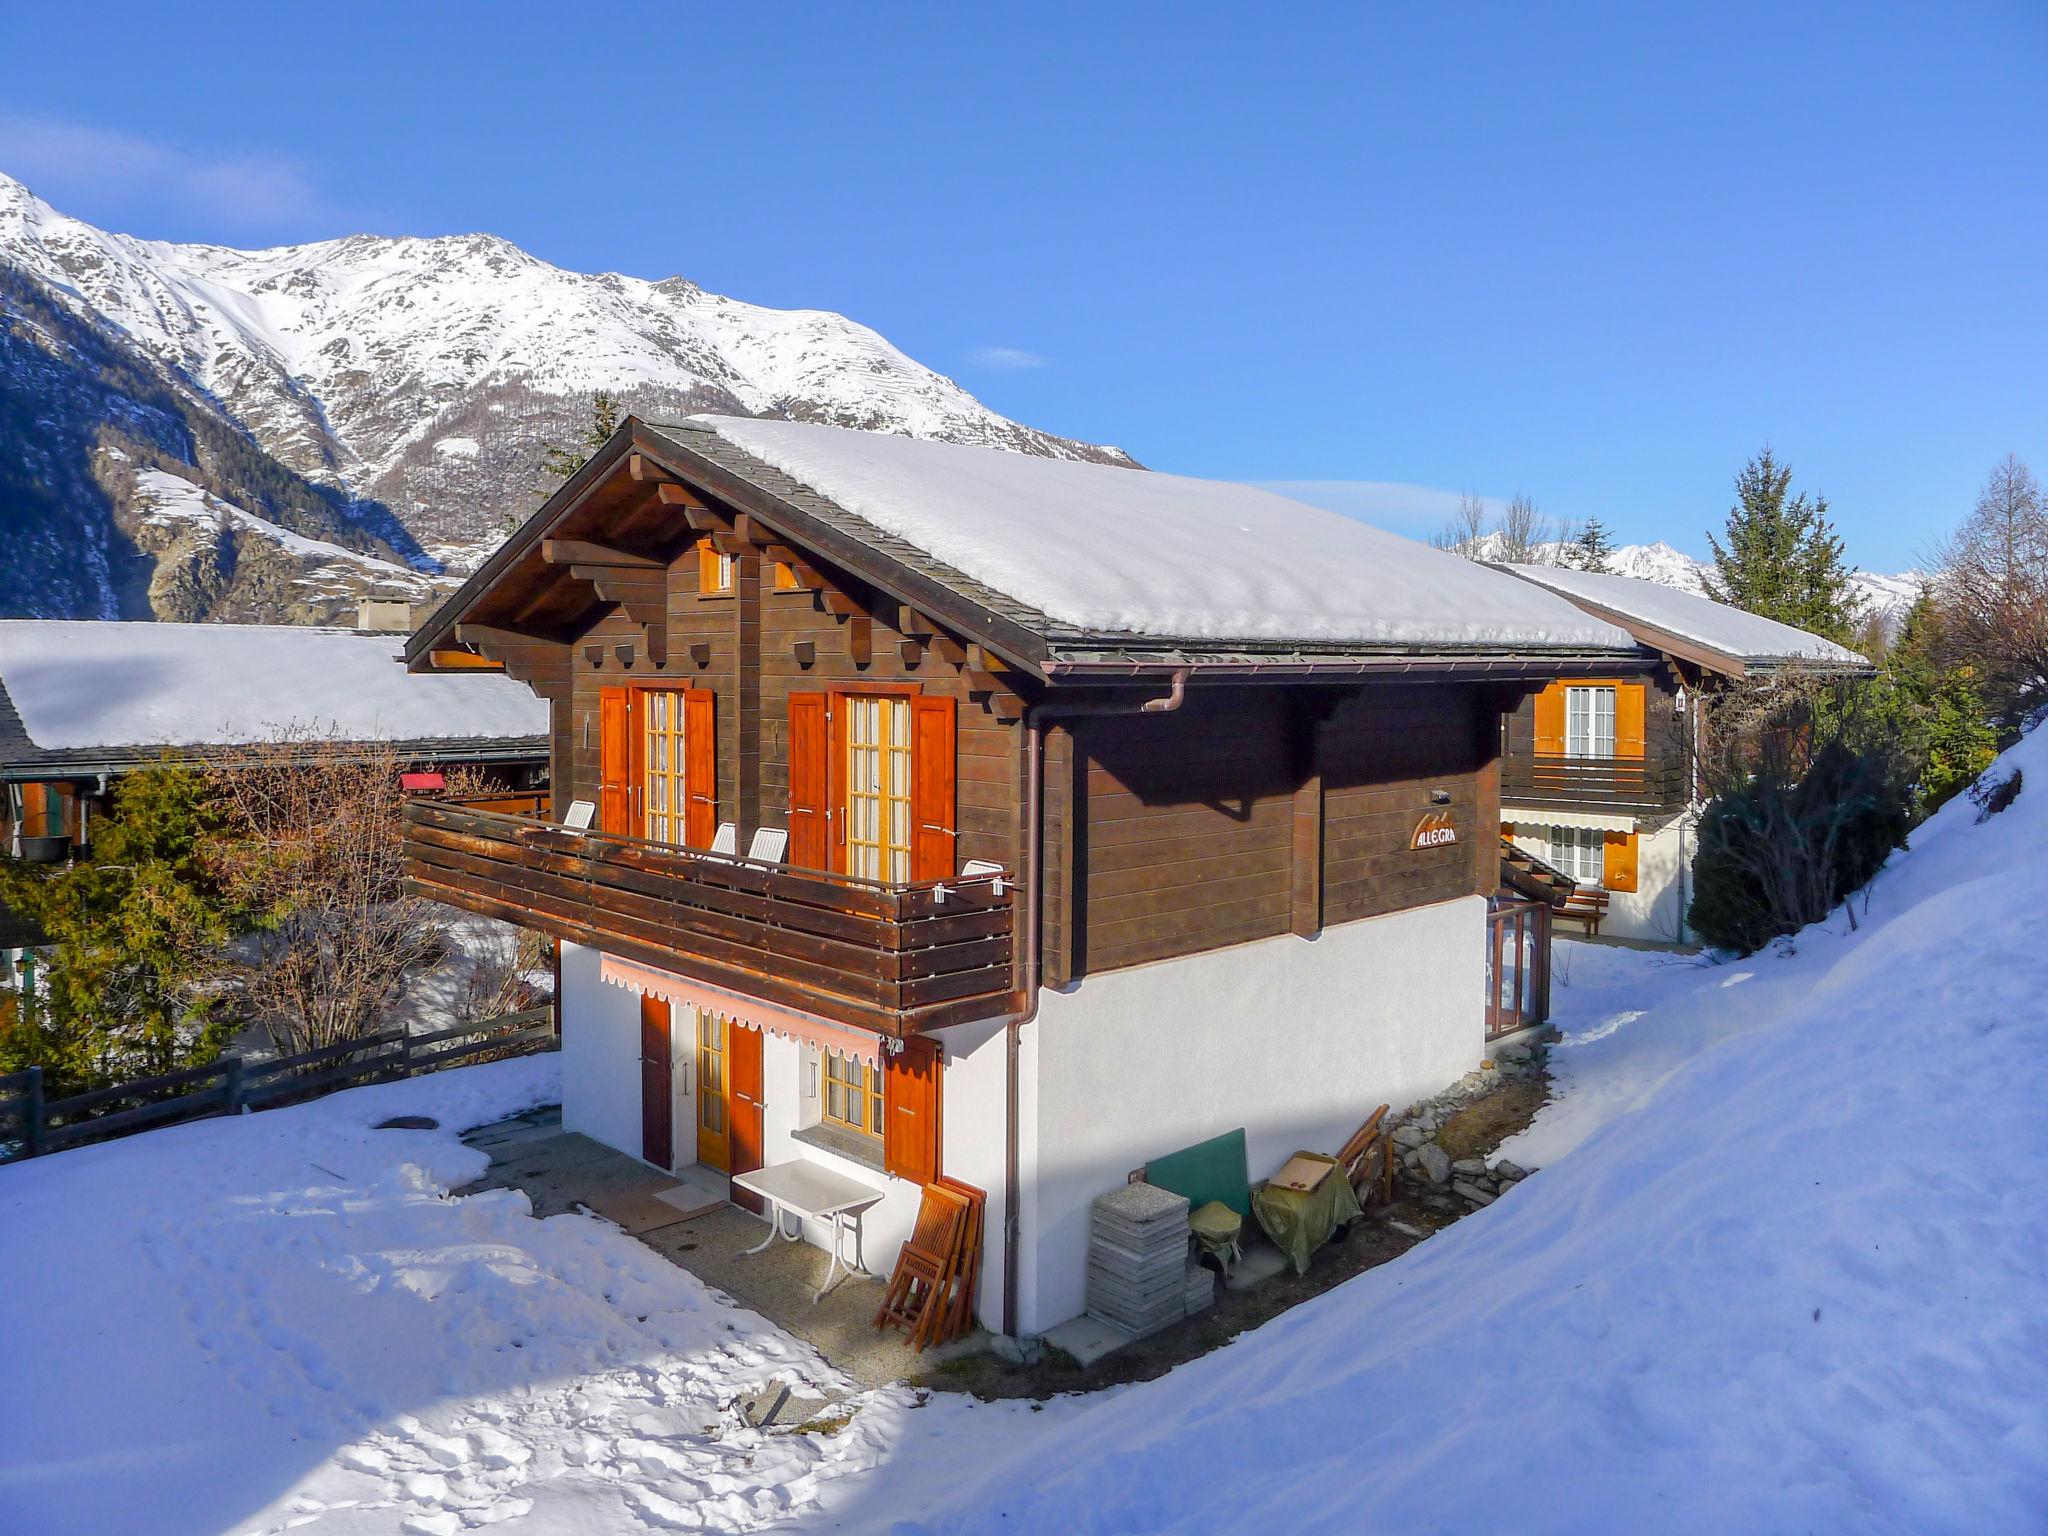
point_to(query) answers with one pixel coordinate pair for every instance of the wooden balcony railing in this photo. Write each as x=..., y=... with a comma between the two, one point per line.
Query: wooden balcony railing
x=897, y=959
x=1655, y=783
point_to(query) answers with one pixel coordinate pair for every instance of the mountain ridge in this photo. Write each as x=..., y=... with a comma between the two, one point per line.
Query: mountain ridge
x=411, y=382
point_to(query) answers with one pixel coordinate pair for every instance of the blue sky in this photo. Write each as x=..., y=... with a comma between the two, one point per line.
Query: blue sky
x=1598, y=254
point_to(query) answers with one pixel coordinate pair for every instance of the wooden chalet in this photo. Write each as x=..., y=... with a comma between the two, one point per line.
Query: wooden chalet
x=919, y=808
x=1599, y=778
x=83, y=703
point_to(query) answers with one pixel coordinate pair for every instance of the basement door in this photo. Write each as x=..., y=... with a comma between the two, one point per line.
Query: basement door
x=657, y=1089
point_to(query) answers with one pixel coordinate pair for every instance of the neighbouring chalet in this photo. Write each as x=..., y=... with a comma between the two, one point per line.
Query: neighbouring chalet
x=83, y=702
x=1599, y=776
x=959, y=808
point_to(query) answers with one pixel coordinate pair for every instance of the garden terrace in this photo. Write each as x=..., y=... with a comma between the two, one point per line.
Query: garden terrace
x=895, y=959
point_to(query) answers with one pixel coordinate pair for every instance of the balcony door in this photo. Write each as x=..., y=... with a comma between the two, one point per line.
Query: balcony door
x=658, y=764
x=872, y=781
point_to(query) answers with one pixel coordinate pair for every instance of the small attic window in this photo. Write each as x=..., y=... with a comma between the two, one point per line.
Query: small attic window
x=714, y=572
x=785, y=578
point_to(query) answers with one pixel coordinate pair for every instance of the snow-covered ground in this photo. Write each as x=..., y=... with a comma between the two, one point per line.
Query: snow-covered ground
x=282, y=1322
x=1785, y=1268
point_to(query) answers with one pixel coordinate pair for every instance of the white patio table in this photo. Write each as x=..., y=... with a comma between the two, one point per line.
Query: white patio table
x=805, y=1189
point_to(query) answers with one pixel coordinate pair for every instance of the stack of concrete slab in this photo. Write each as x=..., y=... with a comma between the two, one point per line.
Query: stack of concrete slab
x=1201, y=1291
x=1137, y=1258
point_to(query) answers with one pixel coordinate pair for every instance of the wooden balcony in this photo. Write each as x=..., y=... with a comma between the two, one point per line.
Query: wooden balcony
x=1638, y=783
x=896, y=959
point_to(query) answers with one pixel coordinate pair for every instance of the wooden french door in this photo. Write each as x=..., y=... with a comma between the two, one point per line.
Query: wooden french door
x=872, y=784
x=657, y=1085
x=657, y=765
x=743, y=1107
x=714, y=1081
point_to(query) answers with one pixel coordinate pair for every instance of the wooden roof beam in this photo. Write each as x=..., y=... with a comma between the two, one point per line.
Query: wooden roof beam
x=575, y=552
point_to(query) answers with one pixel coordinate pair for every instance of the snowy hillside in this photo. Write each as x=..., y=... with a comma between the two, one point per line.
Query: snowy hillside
x=425, y=374
x=1783, y=1269
x=1888, y=597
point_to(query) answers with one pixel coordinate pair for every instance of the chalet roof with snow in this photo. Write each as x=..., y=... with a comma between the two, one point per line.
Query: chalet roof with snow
x=1715, y=635
x=1066, y=567
x=83, y=695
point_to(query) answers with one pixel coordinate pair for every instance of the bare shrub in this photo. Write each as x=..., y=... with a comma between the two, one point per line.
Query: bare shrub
x=311, y=847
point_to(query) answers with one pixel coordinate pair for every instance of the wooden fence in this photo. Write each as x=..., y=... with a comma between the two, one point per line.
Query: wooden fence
x=30, y=1125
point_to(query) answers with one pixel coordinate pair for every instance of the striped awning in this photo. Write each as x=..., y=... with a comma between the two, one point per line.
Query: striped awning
x=1597, y=821
x=748, y=1012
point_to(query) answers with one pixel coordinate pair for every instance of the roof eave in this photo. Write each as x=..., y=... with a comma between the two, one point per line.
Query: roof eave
x=438, y=633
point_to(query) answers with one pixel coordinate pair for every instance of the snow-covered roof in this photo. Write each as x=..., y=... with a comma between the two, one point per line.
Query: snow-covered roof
x=1733, y=632
x=1103, y=550
x=79, y=684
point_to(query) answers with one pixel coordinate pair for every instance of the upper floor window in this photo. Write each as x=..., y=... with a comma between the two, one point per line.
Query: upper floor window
x=1589, y=722
x=663, y=766
x=714, y=571
x=878, y=828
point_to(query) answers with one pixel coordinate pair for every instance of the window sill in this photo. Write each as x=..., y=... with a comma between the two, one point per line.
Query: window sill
x=851, y=1145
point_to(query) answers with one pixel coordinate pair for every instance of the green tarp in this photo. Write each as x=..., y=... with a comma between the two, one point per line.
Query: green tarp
x=1300, y=1223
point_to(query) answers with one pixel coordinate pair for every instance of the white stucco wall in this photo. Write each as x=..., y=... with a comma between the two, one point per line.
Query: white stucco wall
x=601, y=1099
x=1655, y=909
x=1296, y=1040
x=600, y=1054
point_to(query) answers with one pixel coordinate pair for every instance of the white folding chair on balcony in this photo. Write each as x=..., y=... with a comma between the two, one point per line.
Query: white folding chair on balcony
x=579, y=816
x=768, y=845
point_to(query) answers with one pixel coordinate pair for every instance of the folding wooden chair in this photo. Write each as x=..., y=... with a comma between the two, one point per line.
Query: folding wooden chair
x=965, y=1280
x=919, y=1280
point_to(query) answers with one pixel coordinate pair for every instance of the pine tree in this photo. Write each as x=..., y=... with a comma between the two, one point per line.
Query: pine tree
x=1782, y=558
x=559, y=462
x=1591, y=550
x=137, y=932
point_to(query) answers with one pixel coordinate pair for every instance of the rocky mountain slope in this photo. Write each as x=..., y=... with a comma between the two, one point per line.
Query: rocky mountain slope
x=416, y=380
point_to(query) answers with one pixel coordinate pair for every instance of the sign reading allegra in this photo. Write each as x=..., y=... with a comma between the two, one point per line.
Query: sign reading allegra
x=1436, y=830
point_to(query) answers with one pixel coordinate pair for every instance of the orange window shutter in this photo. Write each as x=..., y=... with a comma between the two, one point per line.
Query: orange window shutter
x=1618, y=861
x=1550, y=721
x=700, y=767
x=615, y=762
x=910, y=1103
x=1628, y=720
x=809, y=796
x=933, y=791
x=785, y=578
x=707, y=567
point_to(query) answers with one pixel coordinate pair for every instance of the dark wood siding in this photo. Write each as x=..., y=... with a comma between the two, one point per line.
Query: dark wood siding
x=1384, y=755
x=1252, y=812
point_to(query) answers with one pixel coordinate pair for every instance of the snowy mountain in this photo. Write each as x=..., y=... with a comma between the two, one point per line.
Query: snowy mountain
x=415, y=380
x=1886, y=597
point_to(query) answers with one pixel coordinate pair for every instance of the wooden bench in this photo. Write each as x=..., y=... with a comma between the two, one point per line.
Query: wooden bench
x=1588, y=905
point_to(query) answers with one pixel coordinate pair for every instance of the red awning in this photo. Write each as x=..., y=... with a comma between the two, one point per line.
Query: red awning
x=422, y=781
x=752, y=1012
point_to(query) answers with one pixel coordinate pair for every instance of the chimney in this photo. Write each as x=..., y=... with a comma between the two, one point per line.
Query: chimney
x=384, y=616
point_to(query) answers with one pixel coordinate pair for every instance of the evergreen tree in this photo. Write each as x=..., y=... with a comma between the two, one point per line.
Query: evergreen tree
x=1782, y=558
x=1591, y=550
x=136, y=932
x=559, y=462
x=1938, y=710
